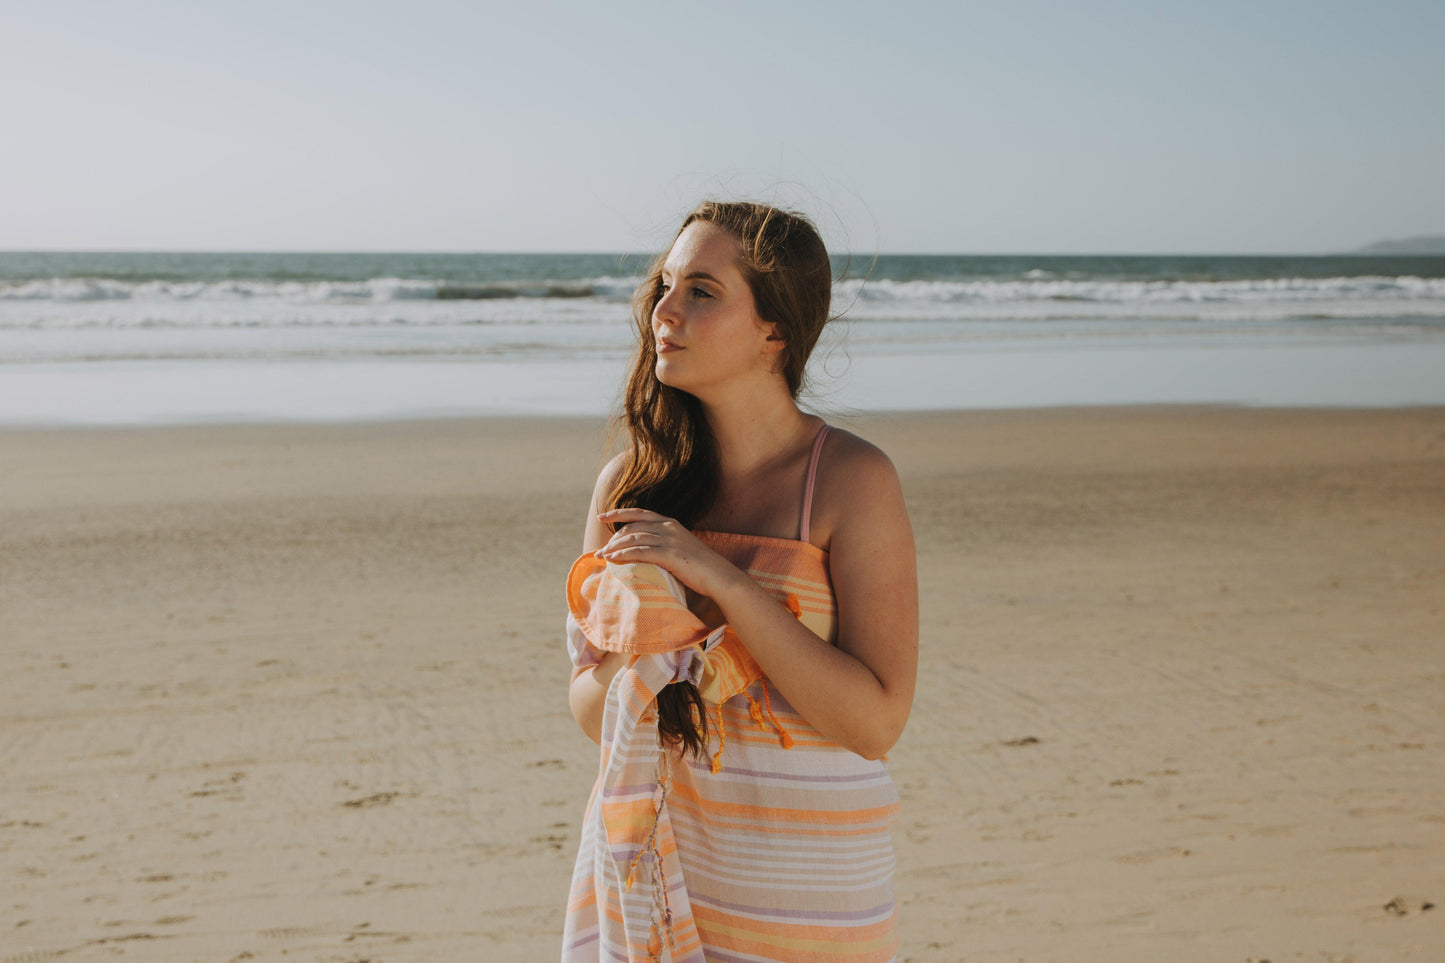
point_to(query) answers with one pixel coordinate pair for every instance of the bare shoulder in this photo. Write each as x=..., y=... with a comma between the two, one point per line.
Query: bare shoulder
x=855, y=465
x=607, y=478
x=595, y=534
x=857, y=486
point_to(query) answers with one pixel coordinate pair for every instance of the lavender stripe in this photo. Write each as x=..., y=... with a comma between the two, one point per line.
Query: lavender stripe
x=629, y=790
x=790, y=777
x=584, y=941
x=882, y=910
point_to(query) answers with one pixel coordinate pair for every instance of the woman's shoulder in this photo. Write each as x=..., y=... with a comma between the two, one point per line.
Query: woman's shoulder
x=850, y=462
x=857, y=486
x=611, y=471
x=596, y=533
x=608, y=478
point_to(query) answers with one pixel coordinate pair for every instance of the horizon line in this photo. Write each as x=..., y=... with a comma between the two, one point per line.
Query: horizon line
x=621, y=253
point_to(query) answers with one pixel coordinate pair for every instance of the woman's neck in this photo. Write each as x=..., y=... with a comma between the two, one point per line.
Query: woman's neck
x=752, y=429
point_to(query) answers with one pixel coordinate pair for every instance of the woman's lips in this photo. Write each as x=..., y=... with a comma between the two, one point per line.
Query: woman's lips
x=664, y=346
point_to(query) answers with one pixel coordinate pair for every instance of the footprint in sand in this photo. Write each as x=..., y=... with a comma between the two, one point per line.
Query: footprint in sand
x=1150, y=855
x=290, y=932
x=552, y=840
x=1408, y=906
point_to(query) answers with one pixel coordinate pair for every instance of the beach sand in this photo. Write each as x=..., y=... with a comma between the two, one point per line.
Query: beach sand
x=299, y=691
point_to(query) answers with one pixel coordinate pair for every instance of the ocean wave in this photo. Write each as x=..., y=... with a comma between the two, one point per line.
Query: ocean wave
x=420, y=316
x=372, y=290
x=1099, y=291
x=397, y=303
x=1037, y=286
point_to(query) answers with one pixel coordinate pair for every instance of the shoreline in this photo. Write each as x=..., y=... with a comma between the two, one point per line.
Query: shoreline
x=1344, y=373
x=512, y=426
x=287, y=688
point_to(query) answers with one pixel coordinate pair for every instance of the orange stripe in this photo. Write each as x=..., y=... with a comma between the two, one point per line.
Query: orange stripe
x=774, y=815
x=803, y=944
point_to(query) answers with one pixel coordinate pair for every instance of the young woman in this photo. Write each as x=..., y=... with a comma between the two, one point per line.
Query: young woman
x=763, y=830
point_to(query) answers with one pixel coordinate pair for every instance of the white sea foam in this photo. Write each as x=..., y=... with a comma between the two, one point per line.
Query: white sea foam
x=78, y=303
x=1036, y=288
x=394, y=319
x=1037, y=285
x=381, y=289
x=193, y=332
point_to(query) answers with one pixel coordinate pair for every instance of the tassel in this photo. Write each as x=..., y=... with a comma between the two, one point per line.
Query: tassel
x=787, y=740
x=649, y=845
x=661, y=908
x=632, y=869
x=722, y=738
x=755, y=710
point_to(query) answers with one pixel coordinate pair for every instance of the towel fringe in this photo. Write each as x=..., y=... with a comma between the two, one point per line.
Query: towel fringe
x=755, y=710
x=661, y=906
x=784, y=737
x=722, y=738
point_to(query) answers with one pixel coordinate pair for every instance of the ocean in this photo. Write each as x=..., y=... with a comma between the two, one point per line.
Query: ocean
x=145, y=338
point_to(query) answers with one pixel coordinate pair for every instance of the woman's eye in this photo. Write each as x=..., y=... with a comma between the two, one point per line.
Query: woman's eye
x=701, y=293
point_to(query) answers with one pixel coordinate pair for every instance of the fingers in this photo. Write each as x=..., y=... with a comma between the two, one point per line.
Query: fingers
x=620, y=515
x=630, y=553
x=637, y=528
x=623, y=522
x=624, y=540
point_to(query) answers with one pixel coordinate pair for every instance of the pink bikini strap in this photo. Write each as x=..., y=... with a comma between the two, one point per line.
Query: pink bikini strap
x=808, y=489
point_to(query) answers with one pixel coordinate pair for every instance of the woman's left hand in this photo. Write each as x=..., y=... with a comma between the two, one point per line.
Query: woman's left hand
x=646, y=536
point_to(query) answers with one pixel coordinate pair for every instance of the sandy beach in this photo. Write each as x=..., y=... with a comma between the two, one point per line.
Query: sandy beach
x=276, y=691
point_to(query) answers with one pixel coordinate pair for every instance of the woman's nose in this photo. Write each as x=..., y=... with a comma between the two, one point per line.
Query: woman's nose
x=663, y=312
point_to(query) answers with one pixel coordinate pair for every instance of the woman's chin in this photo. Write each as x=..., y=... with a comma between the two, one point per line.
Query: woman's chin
x=667, y=374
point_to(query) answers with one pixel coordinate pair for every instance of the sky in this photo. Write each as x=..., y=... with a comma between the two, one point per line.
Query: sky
x=959, y=127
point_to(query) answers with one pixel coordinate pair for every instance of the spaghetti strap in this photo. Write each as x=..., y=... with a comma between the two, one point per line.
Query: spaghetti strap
x=806, y=522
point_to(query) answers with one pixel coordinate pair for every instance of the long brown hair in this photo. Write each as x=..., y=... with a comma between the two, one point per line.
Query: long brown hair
x=672, y=462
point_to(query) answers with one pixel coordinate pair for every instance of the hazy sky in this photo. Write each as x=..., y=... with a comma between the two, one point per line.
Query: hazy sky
x=1155, y=127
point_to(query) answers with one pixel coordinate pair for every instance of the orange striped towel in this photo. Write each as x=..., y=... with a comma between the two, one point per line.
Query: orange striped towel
x=638, y=608
x=641, y=610
x=633, y=607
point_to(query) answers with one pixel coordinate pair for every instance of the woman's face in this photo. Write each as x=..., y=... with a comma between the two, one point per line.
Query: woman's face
x=707, y=330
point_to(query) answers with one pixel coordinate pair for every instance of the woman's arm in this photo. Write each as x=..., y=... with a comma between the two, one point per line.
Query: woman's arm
x=859, y=693
x=587, y=692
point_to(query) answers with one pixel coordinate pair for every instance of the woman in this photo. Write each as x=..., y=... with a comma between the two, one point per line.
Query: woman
x=763, y=833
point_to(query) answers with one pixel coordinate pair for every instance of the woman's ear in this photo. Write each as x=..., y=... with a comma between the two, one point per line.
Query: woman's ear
x=774, y=341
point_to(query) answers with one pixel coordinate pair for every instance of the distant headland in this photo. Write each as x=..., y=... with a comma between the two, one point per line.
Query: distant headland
x=1424, y=244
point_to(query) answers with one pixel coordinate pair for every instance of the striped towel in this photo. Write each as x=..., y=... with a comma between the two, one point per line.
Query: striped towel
x=775, y=847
